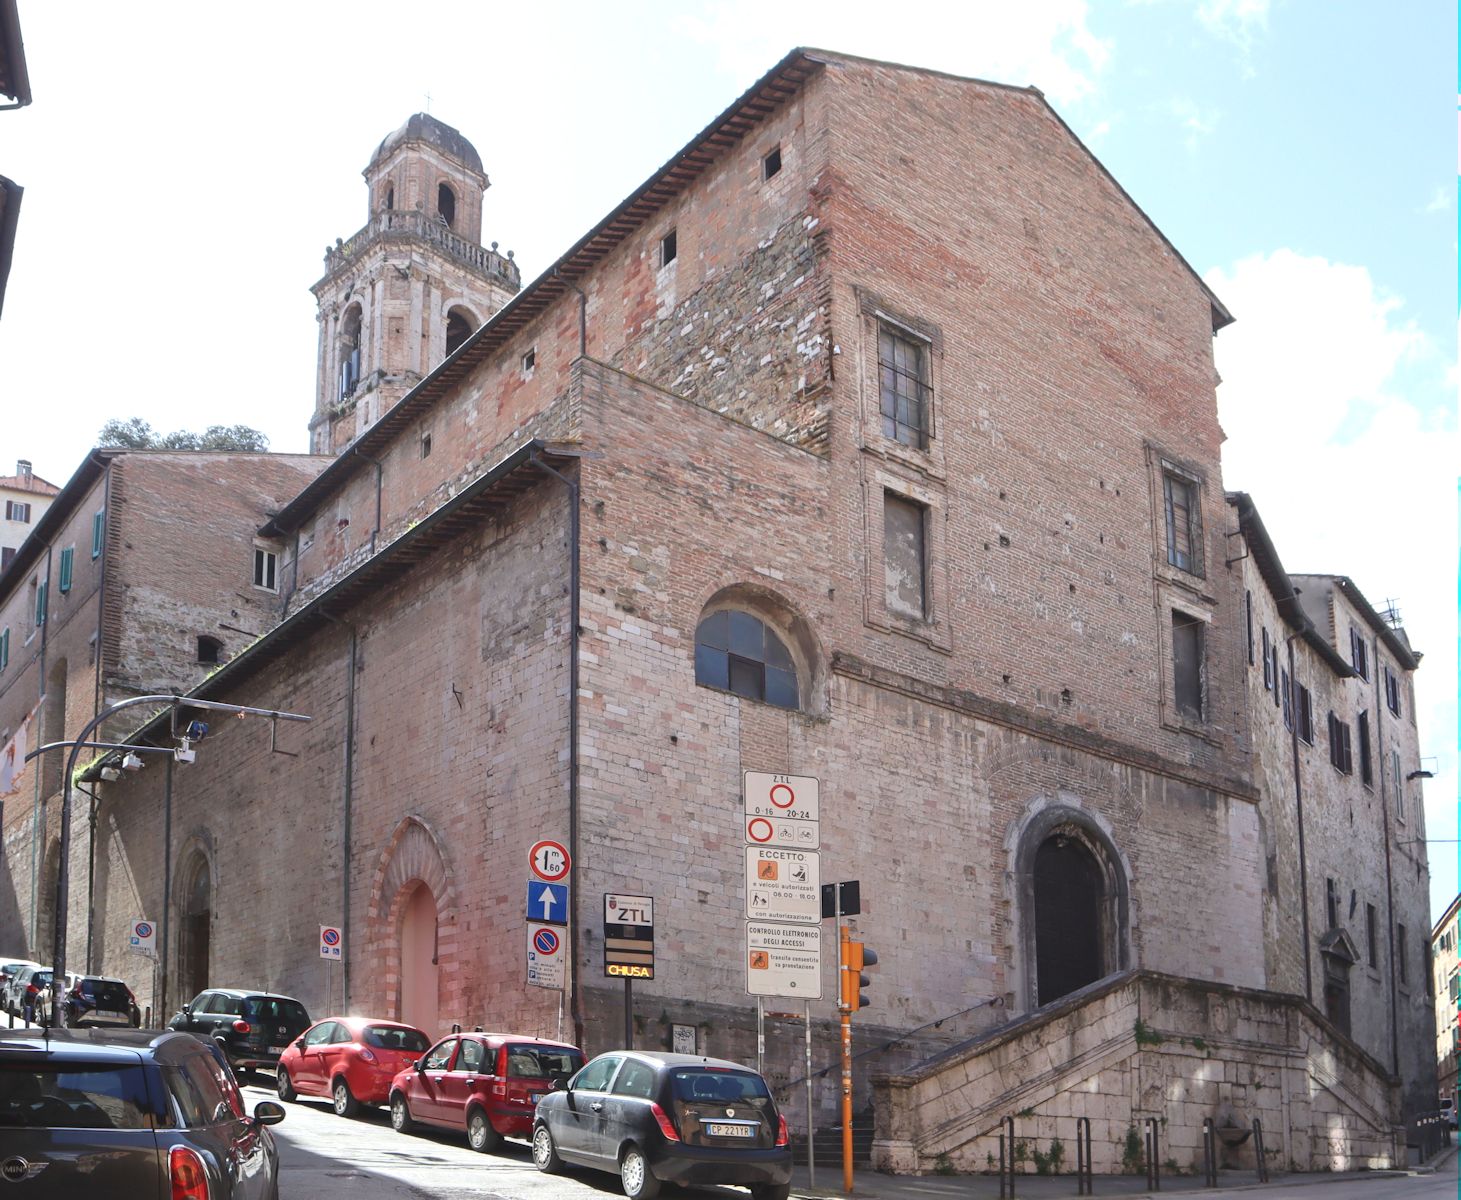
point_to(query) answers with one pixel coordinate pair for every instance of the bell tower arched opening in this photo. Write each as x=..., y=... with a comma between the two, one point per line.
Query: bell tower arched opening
x=459, y=326
x=446, y=205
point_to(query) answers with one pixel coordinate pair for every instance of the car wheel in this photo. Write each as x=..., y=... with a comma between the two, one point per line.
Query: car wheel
x=770, y=1191
x=545, y=1153
x=346, y=1105
x=639, y=1181
x=480, y=1134
x=284, y=1085
x=401, y=1114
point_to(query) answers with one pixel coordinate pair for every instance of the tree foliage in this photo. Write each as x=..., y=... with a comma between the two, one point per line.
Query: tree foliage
x=137, y=434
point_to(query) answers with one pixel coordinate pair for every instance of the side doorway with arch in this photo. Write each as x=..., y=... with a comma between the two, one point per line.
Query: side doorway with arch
x=420, y=960
x=195, y=926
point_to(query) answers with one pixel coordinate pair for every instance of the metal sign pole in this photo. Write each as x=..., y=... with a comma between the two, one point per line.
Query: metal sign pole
x=628, y=1013
x=760, y=1036
x=811, y=1122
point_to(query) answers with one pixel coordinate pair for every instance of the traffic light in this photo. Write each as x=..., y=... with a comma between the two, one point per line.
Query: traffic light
x=855, y=956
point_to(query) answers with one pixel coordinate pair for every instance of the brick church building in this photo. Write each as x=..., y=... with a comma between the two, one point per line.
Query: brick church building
x=873, y=438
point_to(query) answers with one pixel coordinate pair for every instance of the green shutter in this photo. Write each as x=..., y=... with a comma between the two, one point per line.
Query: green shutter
x=68, y=556
x=41, y=589
x=5, y=648
x=98, y=525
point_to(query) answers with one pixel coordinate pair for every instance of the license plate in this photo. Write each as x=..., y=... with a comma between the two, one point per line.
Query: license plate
x=715, y=1129
x=535, y=1097
x=276, y=1049
x=104, y=1015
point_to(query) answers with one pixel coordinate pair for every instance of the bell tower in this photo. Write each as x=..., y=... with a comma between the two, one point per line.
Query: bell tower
x=401, y=294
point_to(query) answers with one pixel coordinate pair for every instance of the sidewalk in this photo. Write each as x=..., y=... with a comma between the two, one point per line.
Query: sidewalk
x=870, y=1185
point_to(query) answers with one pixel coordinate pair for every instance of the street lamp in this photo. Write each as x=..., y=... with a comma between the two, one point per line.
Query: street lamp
x=131, y=762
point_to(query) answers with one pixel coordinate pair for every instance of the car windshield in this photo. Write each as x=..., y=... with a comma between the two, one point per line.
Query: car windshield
x=73, y=1096
x=716, y=1087
x=389, y=1037
x=273, y=1008
x=541, y=1062
x=108, y=993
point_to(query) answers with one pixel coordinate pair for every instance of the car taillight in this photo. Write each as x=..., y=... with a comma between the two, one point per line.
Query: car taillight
x=189, y=1178
x=366, y=1054
x=31, y=989
x=666, y=1126
x=782, y=1136
x=242, y=1026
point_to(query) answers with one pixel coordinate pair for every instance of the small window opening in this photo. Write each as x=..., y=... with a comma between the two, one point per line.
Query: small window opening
x=668, y=248
x=446, y=205
x=771, y=164
x=425, y=445
x=530, y=360
x=210, y=649
x=265, y=569
x=390, y=199
x=458, y=330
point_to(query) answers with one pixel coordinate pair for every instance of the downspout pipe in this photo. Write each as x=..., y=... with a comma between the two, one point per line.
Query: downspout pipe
x=379, y=468
x=1299, y=808
x=347, y=808
x=582, y=312
x=575, y=996
x=90, y=875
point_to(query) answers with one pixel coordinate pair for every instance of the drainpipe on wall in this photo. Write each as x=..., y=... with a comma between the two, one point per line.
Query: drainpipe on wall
x=160, y=1012
x=1299, y=806
x=346, y=807
x=575, y=997
x=101, y=591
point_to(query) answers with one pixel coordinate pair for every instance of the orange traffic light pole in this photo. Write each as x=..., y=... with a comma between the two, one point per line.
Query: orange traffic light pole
x=847, y=999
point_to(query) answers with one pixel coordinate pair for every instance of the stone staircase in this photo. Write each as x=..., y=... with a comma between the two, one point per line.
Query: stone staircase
x=828, y=1143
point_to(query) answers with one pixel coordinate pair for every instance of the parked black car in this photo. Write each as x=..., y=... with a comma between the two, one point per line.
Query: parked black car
x=250, y=1027
x=666, y=1118
x=92, y=1000
x=122, y=1112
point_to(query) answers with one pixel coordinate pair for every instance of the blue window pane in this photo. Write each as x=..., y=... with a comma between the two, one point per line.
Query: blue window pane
x=747, y=636
x=711, y=667
x=777, y=654
x=780, y=688
x=715, y=631
x=747, y=678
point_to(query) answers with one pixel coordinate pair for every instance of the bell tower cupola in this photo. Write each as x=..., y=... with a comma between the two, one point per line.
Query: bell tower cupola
x=405, y=291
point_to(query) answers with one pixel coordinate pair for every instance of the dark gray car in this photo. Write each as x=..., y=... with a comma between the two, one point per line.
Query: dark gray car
x=135, y=1113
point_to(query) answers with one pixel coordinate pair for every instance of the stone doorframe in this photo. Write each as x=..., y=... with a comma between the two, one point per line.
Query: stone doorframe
x=413, y=855
x=1043, y=817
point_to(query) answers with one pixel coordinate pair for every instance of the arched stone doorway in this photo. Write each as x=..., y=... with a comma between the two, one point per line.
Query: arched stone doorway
x=420, y=961
x=195, y=927
x=1072, y=902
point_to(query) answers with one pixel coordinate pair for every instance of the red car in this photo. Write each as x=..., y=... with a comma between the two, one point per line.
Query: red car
x=351, y=1060
x=486, y=1084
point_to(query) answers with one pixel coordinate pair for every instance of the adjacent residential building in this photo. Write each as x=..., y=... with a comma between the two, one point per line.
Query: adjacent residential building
x=1446, y=982
x=807, y=462
x=25, y=496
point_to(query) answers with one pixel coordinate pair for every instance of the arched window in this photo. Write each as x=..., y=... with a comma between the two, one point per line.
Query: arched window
x=459, y=326
x=350, y=350
x=210, y=649
x=446, y=205
x=740, y=653
x=390, y=199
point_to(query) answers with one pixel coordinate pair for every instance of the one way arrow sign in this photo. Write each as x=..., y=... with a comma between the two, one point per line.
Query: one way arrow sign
x=548, y=902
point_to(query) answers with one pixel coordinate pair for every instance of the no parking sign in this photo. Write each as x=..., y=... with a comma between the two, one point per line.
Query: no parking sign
x=143, y=937
x=332, y=943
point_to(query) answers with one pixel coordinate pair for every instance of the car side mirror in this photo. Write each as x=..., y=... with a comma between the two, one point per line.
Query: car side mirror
x=267, y=1112
x=299, y=1045
x=554, y=1084
x=419, y=1064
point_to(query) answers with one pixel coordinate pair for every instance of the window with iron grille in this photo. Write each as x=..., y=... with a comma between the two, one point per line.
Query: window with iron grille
x=1184, y=522
x=905, y=396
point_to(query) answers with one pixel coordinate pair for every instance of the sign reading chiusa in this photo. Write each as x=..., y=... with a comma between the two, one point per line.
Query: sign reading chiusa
x=628, y=936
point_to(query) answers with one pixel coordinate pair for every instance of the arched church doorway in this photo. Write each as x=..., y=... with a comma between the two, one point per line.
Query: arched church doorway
x=419, y=961
x=1069, y=902
x=195, y=928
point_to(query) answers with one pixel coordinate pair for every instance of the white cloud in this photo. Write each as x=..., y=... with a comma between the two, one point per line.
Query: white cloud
x=1198, y=123
x=1049, y=45
x=1341, y=424
x=1441, y=199
x=1236, y=21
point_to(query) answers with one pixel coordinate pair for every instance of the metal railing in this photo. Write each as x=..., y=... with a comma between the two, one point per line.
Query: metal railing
x=428, y=228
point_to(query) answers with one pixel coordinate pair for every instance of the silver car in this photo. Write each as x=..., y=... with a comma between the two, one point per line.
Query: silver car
x=109, y=1112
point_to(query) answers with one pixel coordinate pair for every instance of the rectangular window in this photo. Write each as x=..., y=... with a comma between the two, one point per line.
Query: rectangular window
x=98, y=531
x=1367, y=768
x=265, y=569
x=40, y=589
x=5, y=648
x=669, y=248
x=68, y=558
x=1304, y=703
x=1359, y=653
x=1392, y=691
x=1267, y=662
x=1286, y=699
x=1339, y=744
x=1402, y=953
x=905, y=556
x=1372, y=939
x=17, y=510
x=771, y=164
x=903, y=388
x=1248, y=621
x=1184, y=523
x=1187, y=633
x=7, y=553
x=1331, y=902
x=1453, y=987
x=1395, y=784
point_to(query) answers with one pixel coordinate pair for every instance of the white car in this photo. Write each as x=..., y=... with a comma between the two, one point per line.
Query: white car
x=9, y=968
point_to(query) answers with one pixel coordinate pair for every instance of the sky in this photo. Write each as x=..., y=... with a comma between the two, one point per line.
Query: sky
x=185, y=169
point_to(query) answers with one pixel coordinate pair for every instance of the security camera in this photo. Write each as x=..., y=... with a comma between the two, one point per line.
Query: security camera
x=185, y=753
x=131, y=762
x=110, y=774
